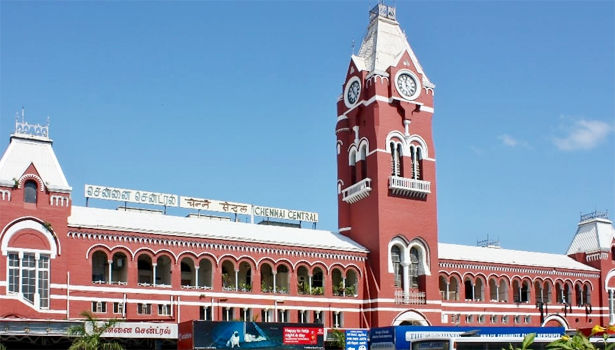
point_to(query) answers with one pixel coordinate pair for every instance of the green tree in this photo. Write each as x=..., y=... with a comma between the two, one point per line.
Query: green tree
x=88, y=336
x=2, y=347
x=339, y=337
x=527, y=341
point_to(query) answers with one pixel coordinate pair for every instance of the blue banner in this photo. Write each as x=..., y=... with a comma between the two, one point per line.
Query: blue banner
x=405, y=334
x=356, y=339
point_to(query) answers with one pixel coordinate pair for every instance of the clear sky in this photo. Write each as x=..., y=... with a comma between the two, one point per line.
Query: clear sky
x=237, y=101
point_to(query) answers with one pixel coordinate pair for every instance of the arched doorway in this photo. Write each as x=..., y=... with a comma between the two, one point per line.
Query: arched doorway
x=410, y=318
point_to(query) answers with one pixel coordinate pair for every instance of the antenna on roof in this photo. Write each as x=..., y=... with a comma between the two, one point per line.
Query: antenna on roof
x=353, y=46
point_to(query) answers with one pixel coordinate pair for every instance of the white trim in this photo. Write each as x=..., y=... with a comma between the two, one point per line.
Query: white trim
x=381, y=99
x=28, y=224
x=344, y=229
x=427, y=109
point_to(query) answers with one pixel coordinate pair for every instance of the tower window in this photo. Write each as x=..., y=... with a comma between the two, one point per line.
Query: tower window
x=353, y=168
x=396, y=160
x=397, y=268
x=414, y=268
x=30, y=188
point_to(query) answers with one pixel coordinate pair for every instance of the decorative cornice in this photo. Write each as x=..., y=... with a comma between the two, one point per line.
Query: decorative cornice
x=524, y=270
x=179, y=243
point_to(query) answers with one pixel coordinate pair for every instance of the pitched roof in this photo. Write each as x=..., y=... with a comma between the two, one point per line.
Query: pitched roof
x=25, y=150
x=106, y=219
x=508, y=256
x=593, y=235
x=384, y=43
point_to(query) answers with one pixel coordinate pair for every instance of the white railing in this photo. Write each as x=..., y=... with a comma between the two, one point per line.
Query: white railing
x=412, y=297
x=409, y=187
x=357, y=191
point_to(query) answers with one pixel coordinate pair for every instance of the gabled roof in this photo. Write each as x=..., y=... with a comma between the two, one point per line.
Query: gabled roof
x=24, y=150
x=592, y=236
x=384, y=44
x=86, y=218
x=508, y=257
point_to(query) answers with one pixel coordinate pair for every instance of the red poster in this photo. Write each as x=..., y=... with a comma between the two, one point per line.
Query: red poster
x=300, y=335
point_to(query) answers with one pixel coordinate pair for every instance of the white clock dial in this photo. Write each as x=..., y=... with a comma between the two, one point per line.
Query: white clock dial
x=406, y=85
x=353, y=92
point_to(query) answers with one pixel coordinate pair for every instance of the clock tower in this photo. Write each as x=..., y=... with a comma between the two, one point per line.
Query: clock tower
x=387, y=174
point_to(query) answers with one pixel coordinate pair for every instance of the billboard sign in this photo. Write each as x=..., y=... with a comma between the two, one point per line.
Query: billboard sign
x=254, y=335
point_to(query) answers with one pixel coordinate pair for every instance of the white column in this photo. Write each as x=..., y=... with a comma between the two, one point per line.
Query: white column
x=110, y=262
x=310, y=284
x=20, y=273
x=407, y=128
x=497, y=292
x=611, y=308
x=37, y=296
x=154, y=265
x=236, y=280
x=196, y=276
x=275, y=274
x=344, y=286
x=356, y=134
x=406, y=270
x=448, y=287
x=275, y=308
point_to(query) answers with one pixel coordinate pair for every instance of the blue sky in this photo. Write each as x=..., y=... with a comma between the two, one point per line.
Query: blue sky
x=237, y=101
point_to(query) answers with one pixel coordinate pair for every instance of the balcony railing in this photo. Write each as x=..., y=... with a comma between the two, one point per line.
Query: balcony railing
x=412, y=297
x=402, y=186
x=357, y=191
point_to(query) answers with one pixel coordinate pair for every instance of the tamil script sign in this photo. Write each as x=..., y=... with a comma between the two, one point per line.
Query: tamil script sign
x=171, y=200
x=285, y=214
x=151, y=330
x=356, y=339
x=132, y=196
x=214, y=205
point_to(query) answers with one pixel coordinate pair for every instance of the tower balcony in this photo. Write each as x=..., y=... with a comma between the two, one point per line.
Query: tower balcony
x=412, y=297
x=357, y=191
x=402, y=186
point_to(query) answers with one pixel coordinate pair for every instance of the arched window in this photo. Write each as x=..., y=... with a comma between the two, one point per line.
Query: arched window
x=396, y=160
x=587, y=294
x=419, y=164
x=493, y=289
x=353, y=168
x=397, y=268
x=578, y=291
x=363, y=155
x=414, y=268
x=29, y=194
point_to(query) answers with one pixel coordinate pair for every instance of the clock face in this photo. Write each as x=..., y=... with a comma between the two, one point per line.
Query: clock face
x=406, y=85
x=353, y=92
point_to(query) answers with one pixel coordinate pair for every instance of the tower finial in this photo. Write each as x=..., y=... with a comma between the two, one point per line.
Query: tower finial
x=353, y=46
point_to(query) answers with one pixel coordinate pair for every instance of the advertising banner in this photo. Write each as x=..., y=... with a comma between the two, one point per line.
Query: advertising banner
x=405, y=334
x=257, y=335
x=185, y=336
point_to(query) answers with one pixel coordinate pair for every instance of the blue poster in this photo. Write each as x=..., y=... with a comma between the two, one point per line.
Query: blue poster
x=356, y=339
x=405, y=334
x=382, y=338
